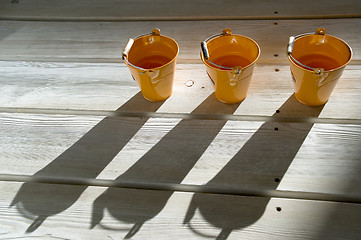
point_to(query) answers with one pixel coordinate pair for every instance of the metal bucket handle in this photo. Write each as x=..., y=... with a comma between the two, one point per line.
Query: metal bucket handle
x=225, y=32
x=155, y=32
x=317, y=71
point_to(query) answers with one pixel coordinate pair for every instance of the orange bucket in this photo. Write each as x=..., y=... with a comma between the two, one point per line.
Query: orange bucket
x=317, y=62
x=151, y=59
x=230, y=60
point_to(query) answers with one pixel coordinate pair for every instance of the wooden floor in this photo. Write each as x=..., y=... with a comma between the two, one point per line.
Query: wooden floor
x=84, y=156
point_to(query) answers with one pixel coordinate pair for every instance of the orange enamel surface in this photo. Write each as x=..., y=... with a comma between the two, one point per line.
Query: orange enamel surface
x=231, y=51
x=156, y=54
x=318, y=51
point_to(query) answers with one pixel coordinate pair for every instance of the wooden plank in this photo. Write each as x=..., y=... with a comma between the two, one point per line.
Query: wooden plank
x=43, y=211
x=104, y=41
x=115, y=10
x=272, y=155
x=302, y=156
x=101, y=86
x=83, y=132
x=283, y=159
x=56, y=85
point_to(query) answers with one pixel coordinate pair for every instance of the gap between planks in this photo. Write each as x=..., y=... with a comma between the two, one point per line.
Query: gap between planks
x=192, y=188
x=177, y=18
x=227, y=117
x=266, y=62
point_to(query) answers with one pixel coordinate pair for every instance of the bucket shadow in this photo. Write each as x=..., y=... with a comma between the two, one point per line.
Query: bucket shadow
x=86, y=158
x=260, y=163
x=169, y=161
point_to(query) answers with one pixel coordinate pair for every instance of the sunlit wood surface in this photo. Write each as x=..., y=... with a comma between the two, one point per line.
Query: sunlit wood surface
x=84, y=156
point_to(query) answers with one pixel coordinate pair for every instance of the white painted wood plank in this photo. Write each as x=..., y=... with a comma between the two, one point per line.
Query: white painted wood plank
x=99, y=213
x=104, y=41
x=324, y=171
x=174, y=10
x=108, y=86
x=324, y=162
x=304, y=157
x=58, y=85
x=96, y=137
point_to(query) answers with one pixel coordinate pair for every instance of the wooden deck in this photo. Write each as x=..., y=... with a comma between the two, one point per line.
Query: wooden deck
x=84, y=156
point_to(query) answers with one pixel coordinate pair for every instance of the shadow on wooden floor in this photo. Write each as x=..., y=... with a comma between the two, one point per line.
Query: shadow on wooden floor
x=168, y=161
x=84, y=159
x=343, y=220
x=261, y=162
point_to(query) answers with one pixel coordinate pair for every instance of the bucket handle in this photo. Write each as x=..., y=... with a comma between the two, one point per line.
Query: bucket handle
x=204, y=48
x=155, y=32
x=291, y=42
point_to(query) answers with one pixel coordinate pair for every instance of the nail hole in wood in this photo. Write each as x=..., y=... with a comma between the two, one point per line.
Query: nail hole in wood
x=189, y=83
x=275, y=23
x=276, y=128
x=279, y=209
x=277, y=180
x=276, y=12
x=277, y=111
x=277, y=70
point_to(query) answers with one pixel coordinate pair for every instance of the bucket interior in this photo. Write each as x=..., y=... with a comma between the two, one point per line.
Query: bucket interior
x=321, y=51
x=152, y=51
x=233, y=50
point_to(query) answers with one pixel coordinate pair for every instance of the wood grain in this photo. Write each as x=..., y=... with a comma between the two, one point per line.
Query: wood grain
x=64, y=91
x=104, y=41
x=118, y=215
x=71, y=86
x=115, y=10
x=304, y=157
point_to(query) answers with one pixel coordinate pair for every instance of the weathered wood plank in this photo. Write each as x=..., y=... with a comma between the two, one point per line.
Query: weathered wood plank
x=271, y=155
x=115, y=10
x=118, y=213
x=103, y=86
x=104, y=41
x=302, y=156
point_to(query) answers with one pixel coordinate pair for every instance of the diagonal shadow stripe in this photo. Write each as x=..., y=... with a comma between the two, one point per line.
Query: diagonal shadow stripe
x=86, y=158
x=169, y=161
x=264, y=158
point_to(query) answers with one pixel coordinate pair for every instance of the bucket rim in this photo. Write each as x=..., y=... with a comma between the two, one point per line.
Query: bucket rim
x=327, y=35
x=125, y=57
x=212, y=38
